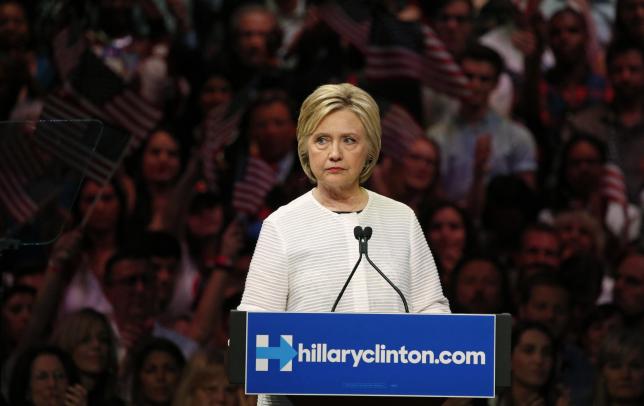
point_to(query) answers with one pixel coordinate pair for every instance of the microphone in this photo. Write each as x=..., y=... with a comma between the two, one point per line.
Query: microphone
x=367, y=235
x=358, y=233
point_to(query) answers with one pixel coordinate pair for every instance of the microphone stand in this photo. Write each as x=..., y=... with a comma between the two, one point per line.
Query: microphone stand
x=358, y=233
x=367, y=236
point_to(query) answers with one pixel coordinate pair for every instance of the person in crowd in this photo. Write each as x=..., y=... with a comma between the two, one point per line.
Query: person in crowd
x=582, y=182
x=267, y=144
x=453, y=22
x=620, y=123
x=17, y=304
x=251, y=55
x=20, y=54
x=306, y=248
x=628, y=21
x=119, y=39
x=545, y=299
x=628, y=292
x=215, y=91
x=579, y=233
x=30, y=273
x=87, y=336
x=159, y=171
x=583, y=274
x=621, y=369
x=103, y=211
x=512, y=39
x=478, y=144
x=451, y=237
x=164, y=255
x=479, y=285
x=128, y=284
x=539, y=249
x=569, y=86
x=292, y=18
x=209, y=239
x=204, y=382
x=510, y=205
x=45, y=376
x=155, y=372
x=415, y=180
x=602, y=320
x=533, y=365
x=579, y=177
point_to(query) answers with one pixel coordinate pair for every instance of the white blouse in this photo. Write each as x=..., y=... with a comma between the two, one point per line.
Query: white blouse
x=305, y=253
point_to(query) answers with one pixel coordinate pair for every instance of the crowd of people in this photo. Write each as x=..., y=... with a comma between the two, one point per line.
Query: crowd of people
x=529, y=186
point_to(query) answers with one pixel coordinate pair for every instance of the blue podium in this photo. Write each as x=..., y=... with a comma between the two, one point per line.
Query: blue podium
x=349, y=354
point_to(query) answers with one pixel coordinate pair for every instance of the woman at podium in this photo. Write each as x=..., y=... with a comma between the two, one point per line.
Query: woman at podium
x=307, y=248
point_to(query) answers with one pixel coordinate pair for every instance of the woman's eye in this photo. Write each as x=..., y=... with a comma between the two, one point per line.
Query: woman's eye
x=349, y=140
x=320, y=140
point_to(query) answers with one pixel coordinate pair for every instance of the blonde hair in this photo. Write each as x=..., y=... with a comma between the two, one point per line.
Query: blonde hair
x=73, y=329
x=617, y=346
x=585, y=220
x=202, y=368
x=327, y=99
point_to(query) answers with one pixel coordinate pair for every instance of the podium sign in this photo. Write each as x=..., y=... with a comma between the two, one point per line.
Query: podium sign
x=370, y=354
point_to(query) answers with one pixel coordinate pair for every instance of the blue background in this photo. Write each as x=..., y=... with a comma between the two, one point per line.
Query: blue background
x=364, y=331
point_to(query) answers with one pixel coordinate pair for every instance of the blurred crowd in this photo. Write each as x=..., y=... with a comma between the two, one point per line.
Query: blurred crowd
x=529, y=185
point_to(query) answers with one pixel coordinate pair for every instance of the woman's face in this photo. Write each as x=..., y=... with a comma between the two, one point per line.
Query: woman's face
x=532, y=359
x=575, y=238
x=161, y=158
x=338, y=150
x=567, y=37
x=48, y=381
x=632, y=12
x=16, y=313
x=206, y=222
x=419, y=165
x=107, y=209
x=624, y=378
x=159, y=376
x=447, y=232
x=215, y=92
x=91, y=354
x=597, y=331
x=215, y=392
x=478, y=287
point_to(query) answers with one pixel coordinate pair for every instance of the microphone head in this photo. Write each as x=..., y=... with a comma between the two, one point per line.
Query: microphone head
x=358, y=233
x=367, y=232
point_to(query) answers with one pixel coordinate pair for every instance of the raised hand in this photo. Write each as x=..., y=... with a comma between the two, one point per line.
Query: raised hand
x=76, y=395
x=232, y=241
x=66, y=252
x=482, y=153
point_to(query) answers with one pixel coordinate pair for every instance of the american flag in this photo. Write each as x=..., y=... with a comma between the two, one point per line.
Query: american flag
x=351, y=21
x=104, y=95
x=85, y=145
x=399, y=130
x=219, y=127
x=18, y=166
x=614, y=185
x=395, y=49
x=250, y=192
